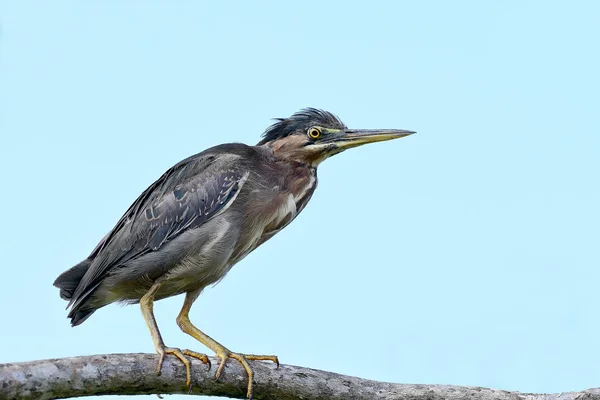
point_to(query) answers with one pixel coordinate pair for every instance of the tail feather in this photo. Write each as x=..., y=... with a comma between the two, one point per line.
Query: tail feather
x=68, y=281
x=78, y=316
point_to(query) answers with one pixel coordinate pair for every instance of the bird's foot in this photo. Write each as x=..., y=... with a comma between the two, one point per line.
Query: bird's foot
x=181, y=355
x=225, y=354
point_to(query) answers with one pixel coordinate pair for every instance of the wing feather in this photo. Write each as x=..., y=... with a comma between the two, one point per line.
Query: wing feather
x=184, y=197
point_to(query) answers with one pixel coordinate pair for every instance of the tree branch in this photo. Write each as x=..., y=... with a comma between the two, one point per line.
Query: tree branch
x=134, y=374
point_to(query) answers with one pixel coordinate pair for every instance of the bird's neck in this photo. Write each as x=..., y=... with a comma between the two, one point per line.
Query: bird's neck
x=291, y=149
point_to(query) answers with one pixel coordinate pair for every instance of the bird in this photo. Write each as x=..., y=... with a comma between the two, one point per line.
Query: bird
x=201, y=217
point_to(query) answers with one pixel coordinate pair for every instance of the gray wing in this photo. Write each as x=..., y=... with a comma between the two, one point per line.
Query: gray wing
x=183, y=198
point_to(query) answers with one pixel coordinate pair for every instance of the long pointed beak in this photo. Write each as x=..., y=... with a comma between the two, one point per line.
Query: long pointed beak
x=357, y=137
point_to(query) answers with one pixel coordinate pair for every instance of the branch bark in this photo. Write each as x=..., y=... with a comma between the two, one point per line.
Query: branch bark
x=134, y=374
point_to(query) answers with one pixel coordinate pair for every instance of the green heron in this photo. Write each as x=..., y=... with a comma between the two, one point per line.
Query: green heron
x=201, y=217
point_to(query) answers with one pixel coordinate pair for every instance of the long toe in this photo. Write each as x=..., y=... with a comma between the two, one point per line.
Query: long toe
x=256, y=357
x=243, y=359
x=181, y=355
x=199, y=356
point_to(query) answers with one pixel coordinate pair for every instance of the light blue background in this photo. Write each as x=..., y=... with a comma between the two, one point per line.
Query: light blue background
x=467, y=254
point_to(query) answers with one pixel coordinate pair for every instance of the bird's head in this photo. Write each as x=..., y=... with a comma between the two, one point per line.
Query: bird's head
x=312, y=135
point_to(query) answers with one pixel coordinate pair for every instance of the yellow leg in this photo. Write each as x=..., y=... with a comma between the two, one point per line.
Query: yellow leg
x=147, y=305
x=222, y=352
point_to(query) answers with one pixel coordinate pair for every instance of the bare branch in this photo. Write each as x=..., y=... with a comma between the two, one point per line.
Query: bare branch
x=134, y=374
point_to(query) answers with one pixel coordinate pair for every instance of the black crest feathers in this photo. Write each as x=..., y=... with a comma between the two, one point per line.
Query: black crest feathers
x=300, y=121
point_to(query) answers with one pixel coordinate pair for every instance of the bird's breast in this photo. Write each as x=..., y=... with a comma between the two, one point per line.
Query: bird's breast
x=276, y=211
x=289, y=203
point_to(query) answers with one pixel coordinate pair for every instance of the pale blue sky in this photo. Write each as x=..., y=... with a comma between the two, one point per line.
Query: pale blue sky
x=467, y=254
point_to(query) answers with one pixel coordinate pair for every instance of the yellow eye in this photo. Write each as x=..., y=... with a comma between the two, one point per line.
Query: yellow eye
x=314, y=133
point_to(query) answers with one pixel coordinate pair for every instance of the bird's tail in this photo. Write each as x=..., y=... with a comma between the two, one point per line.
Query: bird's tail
x=68, y=281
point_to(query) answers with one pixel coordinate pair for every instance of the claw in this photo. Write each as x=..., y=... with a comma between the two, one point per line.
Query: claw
x=243, y=359
x=200, y=356
x=181, y=356
x=221, y=365
x=161, y=360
